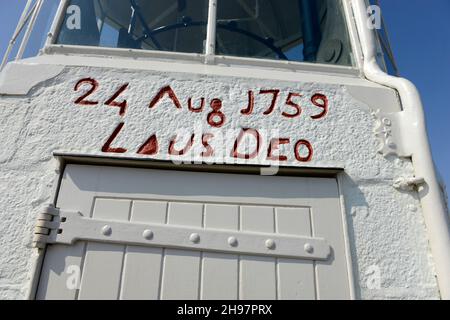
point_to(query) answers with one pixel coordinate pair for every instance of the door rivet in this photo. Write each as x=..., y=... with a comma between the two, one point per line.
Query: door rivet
x=270, y=244
x=194, y=238
x=386, y=122
x=232, y=241
x=106, y=230
x=148, y=234
x=309, y=248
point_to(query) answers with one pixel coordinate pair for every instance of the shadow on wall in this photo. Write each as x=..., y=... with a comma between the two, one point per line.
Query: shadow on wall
x=355, y=204
x=111, y=179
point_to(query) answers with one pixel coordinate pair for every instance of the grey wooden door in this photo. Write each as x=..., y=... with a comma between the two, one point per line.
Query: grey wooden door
x=247, y=204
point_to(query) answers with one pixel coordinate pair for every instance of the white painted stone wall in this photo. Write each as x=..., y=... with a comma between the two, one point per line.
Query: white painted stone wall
x=386, y=228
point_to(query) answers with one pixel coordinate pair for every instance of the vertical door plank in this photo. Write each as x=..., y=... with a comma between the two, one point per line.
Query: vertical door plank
x=295, y=277
x=257, y=274
x=327, y=223
x=103, y=262
x=142, y=265
x=61, y=270
x=181, y=268
x=220, y=271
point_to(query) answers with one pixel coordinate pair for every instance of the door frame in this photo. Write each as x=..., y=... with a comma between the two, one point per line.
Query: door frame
x=66, y=158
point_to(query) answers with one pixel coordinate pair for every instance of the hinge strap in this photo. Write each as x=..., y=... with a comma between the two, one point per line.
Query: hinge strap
x=75, y=227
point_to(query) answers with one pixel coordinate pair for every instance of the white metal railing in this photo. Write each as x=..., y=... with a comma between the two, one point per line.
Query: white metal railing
x=31, y=22
x=57, y=21
x=24, y=18
x=28, y=20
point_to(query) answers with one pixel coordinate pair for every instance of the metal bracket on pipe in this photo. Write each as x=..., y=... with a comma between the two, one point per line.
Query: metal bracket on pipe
x=69, y=227
x=390, y=130
x=408, y=184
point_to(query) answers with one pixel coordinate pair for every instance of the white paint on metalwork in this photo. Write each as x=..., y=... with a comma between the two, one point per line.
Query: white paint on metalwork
x=57, y=22
x=434, y=209
x=148, y=57
x=19, y=27
x=211, y=32
x=26, y=36
x=76, y=227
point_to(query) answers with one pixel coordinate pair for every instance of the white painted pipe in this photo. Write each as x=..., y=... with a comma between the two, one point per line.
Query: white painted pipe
x=58, y=20
x=434, y=210
x=211, y=31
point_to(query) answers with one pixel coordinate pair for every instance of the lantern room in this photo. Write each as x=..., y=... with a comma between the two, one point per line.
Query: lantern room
x=311, y=31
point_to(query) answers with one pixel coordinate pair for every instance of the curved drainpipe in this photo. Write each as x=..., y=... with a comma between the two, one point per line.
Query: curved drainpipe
x=434, y=211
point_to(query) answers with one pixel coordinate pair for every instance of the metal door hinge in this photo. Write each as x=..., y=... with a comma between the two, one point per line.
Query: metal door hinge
x=67, y=227
x=47, y=223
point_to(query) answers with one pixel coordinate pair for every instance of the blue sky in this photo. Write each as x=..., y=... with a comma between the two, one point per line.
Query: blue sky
x=420, y=37
x=419, y=31
x=9, y=14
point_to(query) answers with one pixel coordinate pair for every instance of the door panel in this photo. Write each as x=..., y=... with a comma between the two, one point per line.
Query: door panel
x=103, y=262
x=225, y=286
x=258, y=274
x=142, y=265
x=181, y=268
x=247, y=203
x=295, y=278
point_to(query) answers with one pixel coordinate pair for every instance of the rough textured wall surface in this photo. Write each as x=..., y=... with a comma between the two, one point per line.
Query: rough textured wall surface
x=387, y=234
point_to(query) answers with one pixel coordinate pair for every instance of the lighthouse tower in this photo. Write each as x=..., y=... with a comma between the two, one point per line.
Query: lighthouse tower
x=214, y=149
